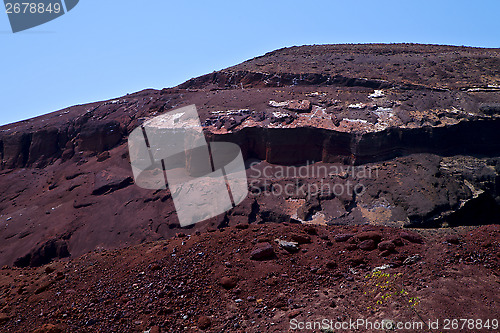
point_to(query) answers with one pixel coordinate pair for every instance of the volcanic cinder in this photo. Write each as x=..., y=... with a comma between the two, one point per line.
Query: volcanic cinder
x=388, y=137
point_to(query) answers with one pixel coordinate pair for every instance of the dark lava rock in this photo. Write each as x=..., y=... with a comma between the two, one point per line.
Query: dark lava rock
x=262, y=251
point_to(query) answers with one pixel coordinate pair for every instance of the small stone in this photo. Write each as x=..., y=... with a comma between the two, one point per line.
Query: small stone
x=386, y=246
x=333, y=304
x=103, y=156
x=453, y=239
x=289, y=246
x=242, y=226
x=311, y=230
x=385, y=253
x=48, y=328
x=49, y=269
x=373, y=235
x=342, y=237
x=155, y=267
x=154, y=329
x=356, y=261
x=262, y=251
x=398, y=241
x=229, y=282
x=4, y=318
x=367, y=245
x=331, y=264
x=300, y=238
x=204, y=322
x=351, y=247
x=412, y=260
x=412, y=237
x=294, y=313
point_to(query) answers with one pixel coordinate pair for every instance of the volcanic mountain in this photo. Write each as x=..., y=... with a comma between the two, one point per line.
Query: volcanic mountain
x=412, y=129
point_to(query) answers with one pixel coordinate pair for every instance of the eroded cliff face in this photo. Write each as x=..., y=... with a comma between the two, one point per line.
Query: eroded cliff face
x=431, y=140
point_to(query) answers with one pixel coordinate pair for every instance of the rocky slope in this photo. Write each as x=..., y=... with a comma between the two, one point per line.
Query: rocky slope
x=423, y=119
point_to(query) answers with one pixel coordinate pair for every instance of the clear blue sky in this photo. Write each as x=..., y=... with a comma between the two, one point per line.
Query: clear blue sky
x=105, y=49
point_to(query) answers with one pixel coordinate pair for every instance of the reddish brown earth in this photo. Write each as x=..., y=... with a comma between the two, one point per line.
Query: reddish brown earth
x=208, y=282
x=423, y=119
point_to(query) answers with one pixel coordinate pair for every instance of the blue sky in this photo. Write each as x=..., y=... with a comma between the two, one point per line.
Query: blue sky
x=105, y=49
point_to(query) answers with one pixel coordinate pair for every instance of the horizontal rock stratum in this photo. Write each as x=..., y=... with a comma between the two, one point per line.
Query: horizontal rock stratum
x=423, y=119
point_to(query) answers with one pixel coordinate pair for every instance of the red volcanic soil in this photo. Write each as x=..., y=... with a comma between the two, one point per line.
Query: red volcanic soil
x=209, y=282
x=84, y=249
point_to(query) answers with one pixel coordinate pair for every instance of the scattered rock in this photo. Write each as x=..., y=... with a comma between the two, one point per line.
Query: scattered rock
x=311, y=230
x=385, y=253
x=453, y=239
x=367, y=245
x=351, y=247
x=412, y=237
x=48, y=328
x=300, y=238
x=229, y=282
x=358, y=106
x=49, y=269
x=412, y=260
x=342, y=237
x=262, y=251
x=154, y=329
x=398, y=241
x=293, y=105
x=4, y=318
x=289, y=246
x=204, y=322
x=356, y=261
x=106, y=182
x=381, y=268
x=294, y=313
x=103, y=156
x=377, y=94
x=331, y=264
x=373, y=235
x=386, y=246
